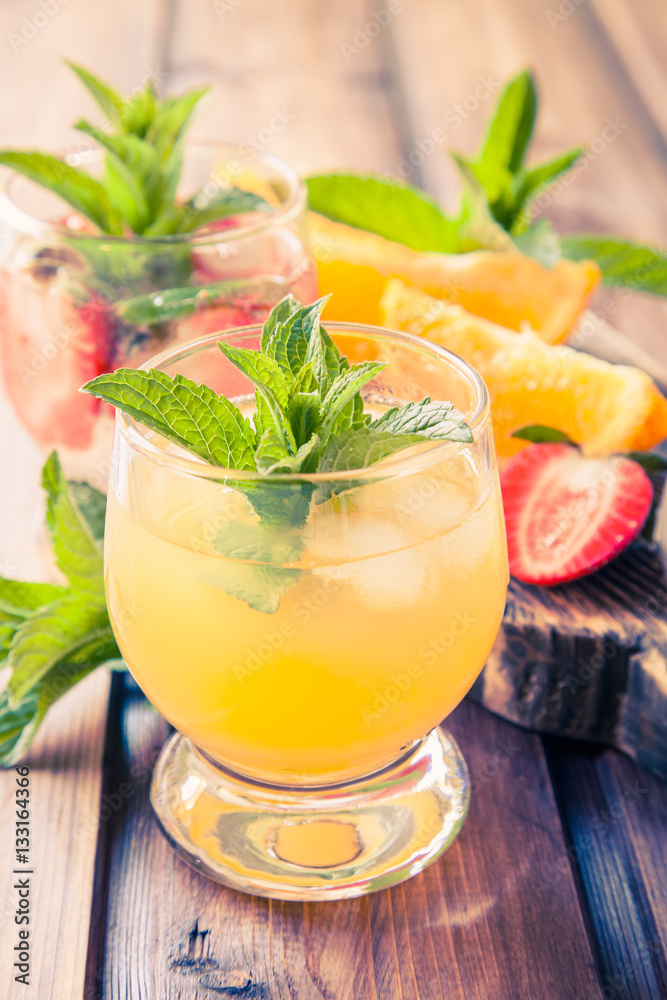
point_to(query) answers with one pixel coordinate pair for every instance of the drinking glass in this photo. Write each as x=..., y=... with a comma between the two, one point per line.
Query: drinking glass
x=70, y=304
x=306, y=634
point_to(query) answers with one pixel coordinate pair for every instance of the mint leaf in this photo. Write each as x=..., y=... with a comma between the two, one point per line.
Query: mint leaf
x=50, y=636
x=436, y=420
x=511, y=127
x=262, y=371
x=174, y=303
x=190, y=415
x=78, y=189
x=71, y=633
x=271, y=455
x=478, y=229
x=270, y=383
x=18, y=725
x=622, y=262
x=527, y=184
x=20, y=720
x=261, y=587
x=139, y=111
x=258, y=578
x=20, y=599
x=171, y=119
x=648, y=460
x=108, y=99
x=396, y=211
x=200, y=211
x=271, y=451
x=131, y=170
x=357, y=449
x=541, y=242
x=77, y=542
x=540, y=434
x=304, y=413
x=344, y=387
x=297, y=339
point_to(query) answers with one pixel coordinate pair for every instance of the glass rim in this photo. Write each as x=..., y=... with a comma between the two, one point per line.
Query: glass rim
x=136, y=434
x=33, y=225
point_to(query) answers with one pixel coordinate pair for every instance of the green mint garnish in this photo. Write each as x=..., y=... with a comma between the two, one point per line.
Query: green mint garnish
x=53, y=636
x=142, y=167
x=309, y=418
x=497, y=207
x=541, y=434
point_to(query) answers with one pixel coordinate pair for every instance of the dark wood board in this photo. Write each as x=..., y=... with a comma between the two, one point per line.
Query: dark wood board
x=588, y=659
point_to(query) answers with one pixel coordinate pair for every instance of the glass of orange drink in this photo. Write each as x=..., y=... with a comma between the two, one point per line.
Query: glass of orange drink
x=306, y=657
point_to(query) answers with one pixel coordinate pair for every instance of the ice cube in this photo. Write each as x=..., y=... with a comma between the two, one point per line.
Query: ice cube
x=384, y=570
x=462, y=550
x=426, y=504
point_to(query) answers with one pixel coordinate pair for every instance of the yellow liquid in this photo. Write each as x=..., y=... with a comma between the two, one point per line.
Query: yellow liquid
x=399, y=601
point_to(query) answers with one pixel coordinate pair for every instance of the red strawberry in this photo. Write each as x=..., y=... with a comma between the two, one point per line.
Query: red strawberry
x=567, y=515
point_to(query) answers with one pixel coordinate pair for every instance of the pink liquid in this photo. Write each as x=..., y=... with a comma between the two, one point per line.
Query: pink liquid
x=51, y=342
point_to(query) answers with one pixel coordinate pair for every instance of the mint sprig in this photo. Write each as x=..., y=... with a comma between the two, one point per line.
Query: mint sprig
x=497, y=205
x=52, y=636
x=143, y=158
x=309, y=418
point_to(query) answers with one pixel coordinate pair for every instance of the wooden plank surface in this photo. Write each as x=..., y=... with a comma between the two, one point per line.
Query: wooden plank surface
x=616, y=820
x=65, y=788
x=477, y=924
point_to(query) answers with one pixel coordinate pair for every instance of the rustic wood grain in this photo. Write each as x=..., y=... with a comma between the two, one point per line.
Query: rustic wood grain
x=641, y=56
x=65, y=788
x=616, y=819
x=477, y=924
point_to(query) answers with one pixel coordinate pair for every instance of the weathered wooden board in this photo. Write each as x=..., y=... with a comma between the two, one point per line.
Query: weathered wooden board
x=65, y=786
x=588, y=660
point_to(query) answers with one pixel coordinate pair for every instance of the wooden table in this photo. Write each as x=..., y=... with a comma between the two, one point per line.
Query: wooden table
x=556, y=888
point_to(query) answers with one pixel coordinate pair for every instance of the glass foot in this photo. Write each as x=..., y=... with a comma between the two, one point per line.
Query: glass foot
x=331, y=842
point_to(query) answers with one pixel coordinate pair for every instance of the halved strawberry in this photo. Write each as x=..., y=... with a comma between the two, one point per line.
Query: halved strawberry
x=567, y=515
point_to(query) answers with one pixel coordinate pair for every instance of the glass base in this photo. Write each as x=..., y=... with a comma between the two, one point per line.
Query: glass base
x=332, y=842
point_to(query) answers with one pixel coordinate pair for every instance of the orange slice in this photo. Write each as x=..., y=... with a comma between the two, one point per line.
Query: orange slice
x=604, y=407
x=508, y=288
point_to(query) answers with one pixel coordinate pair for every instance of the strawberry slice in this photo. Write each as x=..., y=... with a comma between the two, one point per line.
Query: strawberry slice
x=567, y=515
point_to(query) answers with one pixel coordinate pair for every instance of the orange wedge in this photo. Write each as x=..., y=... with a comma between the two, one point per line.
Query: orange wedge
x=604, y=407
x=508, y=288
